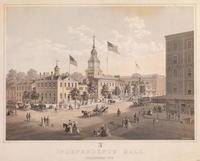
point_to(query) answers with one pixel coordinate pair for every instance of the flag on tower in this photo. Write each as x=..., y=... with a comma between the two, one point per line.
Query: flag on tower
x=112, y=47
x=72, y=60
x=137, y=66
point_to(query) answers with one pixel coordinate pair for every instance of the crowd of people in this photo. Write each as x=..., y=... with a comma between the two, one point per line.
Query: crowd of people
x=28, y=116
x=102, y=131
x=71, y=127
x=45, y=121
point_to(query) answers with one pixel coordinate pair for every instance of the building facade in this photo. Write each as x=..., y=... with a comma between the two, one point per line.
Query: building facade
x=146, y=85
x=23, y=86
x=55, y=88
x=180, y=64
x=180, y=72
x=112, y=82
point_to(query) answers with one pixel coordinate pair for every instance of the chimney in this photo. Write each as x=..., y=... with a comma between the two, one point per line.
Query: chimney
x=51, y=75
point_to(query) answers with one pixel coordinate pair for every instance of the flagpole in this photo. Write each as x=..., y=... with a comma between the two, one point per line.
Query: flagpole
x=107, y=63
x=69, y=65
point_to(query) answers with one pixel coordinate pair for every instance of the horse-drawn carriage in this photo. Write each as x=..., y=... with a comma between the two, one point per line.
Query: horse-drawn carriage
x=38, y=107
x=95, y=112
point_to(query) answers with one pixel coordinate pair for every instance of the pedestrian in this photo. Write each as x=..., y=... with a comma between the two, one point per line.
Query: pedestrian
x=118, y=112
x=42, y=121
x=27, y=116
x=47, y=120
x=123, y=123
x=138, y=119
x=153, y=122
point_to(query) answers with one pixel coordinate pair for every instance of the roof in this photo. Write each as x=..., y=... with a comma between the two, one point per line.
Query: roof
x=106, y=77
x=175, y=97
x=26, y=82
x=179, y=34
x=59, y=77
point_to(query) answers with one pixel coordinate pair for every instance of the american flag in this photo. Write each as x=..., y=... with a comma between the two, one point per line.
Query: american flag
x=112, y=47
x=72, y=60
x=137, y=66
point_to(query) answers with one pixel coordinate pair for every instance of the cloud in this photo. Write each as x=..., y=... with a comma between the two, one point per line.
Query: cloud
x=130, y=39
x=136, y=26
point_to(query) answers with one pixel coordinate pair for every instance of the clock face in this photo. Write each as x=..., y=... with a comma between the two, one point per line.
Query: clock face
x=91, y=65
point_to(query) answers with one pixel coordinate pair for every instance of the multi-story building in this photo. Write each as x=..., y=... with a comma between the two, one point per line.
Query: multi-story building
x=21, y=87
x=11, y=93
x=179, y=97
x=55, y=88
x=154, y=85
x=112, y=82
x=180, y=64
x=146, y=85
x=180, y=71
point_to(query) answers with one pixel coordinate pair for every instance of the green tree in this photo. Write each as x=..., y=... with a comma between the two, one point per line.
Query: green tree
x=11, y=78
x=77, y=76
x=75, y=94
x=128, y=89
x=92, y=89
x=105, y=91
x=32, y=74
x=34, y=95
x=26, y=96
x=117, y=91
x=85, y=96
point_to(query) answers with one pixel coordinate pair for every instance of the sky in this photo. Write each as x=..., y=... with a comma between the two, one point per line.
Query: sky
x=37, y=36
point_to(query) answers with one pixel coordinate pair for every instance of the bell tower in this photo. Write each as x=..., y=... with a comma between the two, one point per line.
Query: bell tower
x=93, y=64
x=56, y=69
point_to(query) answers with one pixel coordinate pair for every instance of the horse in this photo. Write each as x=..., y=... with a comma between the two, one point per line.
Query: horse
x=66, y=126
x=85, y=114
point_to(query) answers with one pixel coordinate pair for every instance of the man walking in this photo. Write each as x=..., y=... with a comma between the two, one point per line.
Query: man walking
x=29, y=116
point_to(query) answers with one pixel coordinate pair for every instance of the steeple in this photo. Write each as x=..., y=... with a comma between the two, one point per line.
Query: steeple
x=93, y=41
x=93, y=63
x=56, y=69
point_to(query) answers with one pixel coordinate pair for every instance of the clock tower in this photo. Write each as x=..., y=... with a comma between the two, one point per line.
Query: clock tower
x=93, y=64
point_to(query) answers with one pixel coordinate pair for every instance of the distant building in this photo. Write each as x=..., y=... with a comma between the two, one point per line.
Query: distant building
x=112, y=83
x=146, y=85
x=23, y=86
x=155, y=85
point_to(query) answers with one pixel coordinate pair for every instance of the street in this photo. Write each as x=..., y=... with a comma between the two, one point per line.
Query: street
x=17, y=127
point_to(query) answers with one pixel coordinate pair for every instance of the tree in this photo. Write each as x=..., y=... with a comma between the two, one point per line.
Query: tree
x=92, y=89
x=109, y=95
x=21, y=76
x=75, y=94
x=105, y=91
x=32, y=74
x=77, y=76
x=11, y=78
x=26, y=96
x=117, y=91
x=85, y=96
x=34, y=95
x=128, y=89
